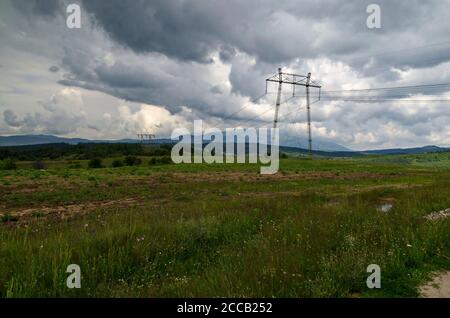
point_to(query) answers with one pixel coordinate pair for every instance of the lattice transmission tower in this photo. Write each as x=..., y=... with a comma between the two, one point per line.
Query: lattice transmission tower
x=145, y=137
x=294, y=80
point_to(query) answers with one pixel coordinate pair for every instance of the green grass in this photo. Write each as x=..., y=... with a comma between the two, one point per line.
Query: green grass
x=225, y=230
x=440, y=160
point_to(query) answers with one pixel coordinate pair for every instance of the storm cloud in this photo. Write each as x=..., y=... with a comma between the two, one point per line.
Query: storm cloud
x=208, y=59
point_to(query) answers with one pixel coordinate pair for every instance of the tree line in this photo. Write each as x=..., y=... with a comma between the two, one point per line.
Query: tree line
x=81, y=151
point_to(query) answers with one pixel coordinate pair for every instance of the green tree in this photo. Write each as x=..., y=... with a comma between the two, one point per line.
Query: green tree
x=95, y=163
x=132, y=161
x=117, y=163
x=8, y=164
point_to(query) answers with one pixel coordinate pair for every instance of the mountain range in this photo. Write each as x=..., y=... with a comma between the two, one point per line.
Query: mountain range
x=297, y=145
x=23, y=140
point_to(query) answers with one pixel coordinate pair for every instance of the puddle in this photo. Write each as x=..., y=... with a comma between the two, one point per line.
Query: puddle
x=385, y=207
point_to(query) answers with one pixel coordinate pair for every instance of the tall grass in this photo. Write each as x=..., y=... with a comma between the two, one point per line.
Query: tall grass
x=297, y=247
x=250, y=238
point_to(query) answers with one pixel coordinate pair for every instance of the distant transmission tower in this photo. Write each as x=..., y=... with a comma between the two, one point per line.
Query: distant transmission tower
x=145, y=137
x=294, y=79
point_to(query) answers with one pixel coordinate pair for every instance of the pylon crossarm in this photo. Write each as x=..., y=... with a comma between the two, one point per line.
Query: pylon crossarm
x=301, y=82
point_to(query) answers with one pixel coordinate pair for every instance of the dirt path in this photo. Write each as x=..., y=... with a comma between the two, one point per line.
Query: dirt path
x=439, y=287
x=67, y=211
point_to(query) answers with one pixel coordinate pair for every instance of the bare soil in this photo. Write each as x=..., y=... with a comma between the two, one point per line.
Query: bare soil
x=71, y=210
x=438, y=287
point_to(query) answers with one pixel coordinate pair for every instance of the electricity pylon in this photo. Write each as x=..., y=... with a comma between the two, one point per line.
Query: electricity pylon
x=294, y=79
x=145, y=136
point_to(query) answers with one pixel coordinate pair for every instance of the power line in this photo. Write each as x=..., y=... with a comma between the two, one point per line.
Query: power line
x=241, y=109
x=289, y=113
x=374, y=100
x=363, y=95
x=371, y=98
x=265, y=112
x=425, y=87
x=389, y=88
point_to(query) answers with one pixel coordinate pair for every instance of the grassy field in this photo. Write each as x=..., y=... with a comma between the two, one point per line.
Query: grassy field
x=223, y=230
x=432, y=160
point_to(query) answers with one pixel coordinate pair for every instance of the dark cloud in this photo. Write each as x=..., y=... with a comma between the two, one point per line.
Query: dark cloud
x=45, y=8
x=174, y=28
x=274, y=32
x=93, y=127
x=211, y=57
x=11, y=118
x=227, y=53
x=216, y=89
x=53, y=69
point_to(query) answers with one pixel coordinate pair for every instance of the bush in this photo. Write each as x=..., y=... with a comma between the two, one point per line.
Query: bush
x=117, y=163
x=284, y=156
x=95, y=163
x=39, y=165
x=160, y=160
x=8, y=164
x=132, y=161
x=165, y=160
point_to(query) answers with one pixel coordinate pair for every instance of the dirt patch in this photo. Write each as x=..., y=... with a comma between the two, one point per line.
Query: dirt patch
x=439, y=215
x=71, y=210
x=244, y=176
x=438, y=287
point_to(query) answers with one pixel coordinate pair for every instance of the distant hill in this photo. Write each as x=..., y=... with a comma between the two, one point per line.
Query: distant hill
x=404, y=151
x=304, y=152
x=320, y=144
x=24, y=140
x=289, y=145
x=27, y=140
x=394, y=151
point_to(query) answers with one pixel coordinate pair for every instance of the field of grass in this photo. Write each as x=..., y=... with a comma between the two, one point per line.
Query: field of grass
x=437, y=160
x=223, y=230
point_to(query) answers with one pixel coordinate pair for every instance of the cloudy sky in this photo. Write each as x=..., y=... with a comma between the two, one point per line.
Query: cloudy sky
x=156, y=65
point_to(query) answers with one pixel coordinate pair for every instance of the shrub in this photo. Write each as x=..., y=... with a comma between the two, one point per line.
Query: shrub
x=132, y=161
x=117, y=163
x=165, y=160
x=39, y=165
x=284, y=156
x=160, y=160
x=8, y=164
x=95, y=163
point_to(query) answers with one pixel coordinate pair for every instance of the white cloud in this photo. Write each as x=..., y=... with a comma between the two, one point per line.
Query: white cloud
x=209, y=62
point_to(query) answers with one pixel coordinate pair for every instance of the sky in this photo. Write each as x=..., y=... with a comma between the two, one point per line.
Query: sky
x=156, y=65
